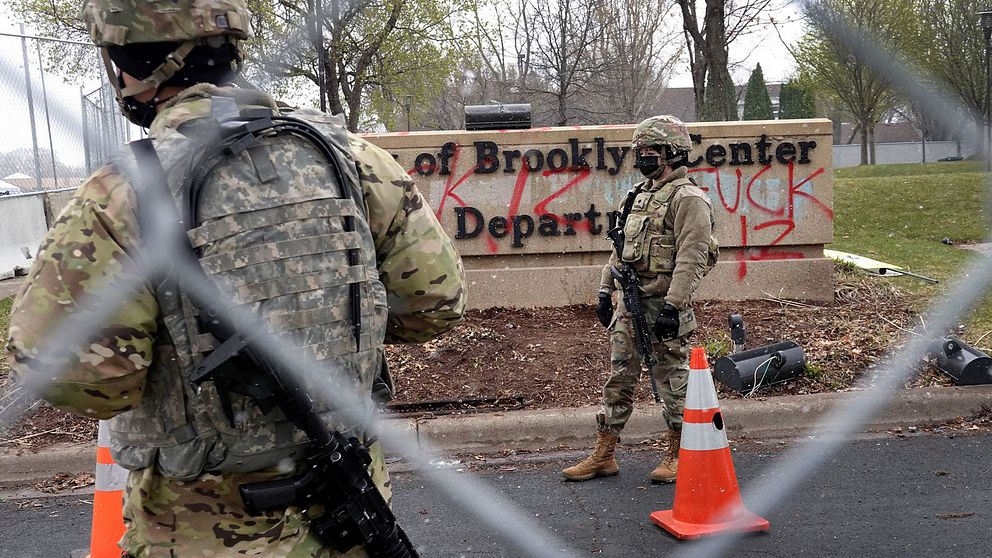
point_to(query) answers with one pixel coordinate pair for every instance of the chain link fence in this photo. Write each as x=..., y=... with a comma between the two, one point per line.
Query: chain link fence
x=61, y=117
x=104, y=130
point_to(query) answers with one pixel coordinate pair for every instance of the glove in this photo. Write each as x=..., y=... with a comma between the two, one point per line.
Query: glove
x=604, y=310
x=667, y=325
x=382, y=386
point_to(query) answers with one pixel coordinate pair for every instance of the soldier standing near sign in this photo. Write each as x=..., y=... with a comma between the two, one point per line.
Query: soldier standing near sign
x=667, y=225
x=278, y=228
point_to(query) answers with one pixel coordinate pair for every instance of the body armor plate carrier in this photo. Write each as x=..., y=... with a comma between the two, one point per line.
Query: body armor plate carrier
x=273, y=209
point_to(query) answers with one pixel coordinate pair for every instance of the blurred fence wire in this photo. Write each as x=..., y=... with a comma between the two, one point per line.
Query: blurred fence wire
x=56, y=133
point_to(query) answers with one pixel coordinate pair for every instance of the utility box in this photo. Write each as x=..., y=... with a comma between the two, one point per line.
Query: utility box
x=498, y=117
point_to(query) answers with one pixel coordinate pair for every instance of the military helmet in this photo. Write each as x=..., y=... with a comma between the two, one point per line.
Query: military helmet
x=662, y=130
x=124, y=22
x=141, y=33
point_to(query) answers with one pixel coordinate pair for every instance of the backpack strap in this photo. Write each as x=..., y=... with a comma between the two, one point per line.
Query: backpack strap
x=628, y=204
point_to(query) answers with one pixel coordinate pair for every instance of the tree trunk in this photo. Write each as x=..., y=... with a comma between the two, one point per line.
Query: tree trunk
x=355, y=106
x=982, y=150
x=854, y=132
x=562, y=108
x=871, y=145
x=698, y=70
x=864, y=142
x=720, y=85
x=332, y=86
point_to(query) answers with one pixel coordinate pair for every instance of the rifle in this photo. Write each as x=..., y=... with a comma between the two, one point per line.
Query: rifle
x=336, y=472
x=630, y=284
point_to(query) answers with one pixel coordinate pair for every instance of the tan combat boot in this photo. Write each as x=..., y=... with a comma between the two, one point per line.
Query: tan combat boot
x=600, y=464
x=670, y=466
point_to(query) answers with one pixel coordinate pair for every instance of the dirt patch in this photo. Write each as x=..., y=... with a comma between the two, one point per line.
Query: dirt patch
x=500, y=359
x=41, y=426
x=559, y=357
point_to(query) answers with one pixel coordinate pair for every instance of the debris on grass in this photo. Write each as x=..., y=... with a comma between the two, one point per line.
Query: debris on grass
x=62, y=482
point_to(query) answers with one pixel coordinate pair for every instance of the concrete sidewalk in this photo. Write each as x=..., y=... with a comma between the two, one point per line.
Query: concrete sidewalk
x=771, y=417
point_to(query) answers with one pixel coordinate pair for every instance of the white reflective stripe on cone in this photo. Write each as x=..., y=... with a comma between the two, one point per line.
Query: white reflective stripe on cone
x=701, y=393
x=103, y=434
x=702, y=437
x=111, y=477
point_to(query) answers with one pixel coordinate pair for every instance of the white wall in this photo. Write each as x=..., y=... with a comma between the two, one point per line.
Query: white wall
x=22, y=226
x=849, y=155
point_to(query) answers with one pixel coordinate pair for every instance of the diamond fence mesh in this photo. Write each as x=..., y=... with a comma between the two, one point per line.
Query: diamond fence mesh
x=104, y=130
x=61, y=120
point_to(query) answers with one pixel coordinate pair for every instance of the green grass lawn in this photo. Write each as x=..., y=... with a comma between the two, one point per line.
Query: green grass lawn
x=5, y=304
x=909, y=169
x=900, y=213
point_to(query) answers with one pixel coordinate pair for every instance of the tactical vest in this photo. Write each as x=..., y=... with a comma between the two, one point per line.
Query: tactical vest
x=269, y=229
x=649, y=242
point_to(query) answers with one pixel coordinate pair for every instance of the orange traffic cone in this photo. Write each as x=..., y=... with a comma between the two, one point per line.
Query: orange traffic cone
x=707, y=498
x=108, y=500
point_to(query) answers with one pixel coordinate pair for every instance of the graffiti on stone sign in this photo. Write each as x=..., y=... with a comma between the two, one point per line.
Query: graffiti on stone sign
x=562, y=192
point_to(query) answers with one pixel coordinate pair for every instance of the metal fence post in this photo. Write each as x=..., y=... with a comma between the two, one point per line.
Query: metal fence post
x=86, y=131
x=48, y=119
x=27, y=84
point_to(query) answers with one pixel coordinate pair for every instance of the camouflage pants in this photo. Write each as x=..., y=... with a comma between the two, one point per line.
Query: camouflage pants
x=170, y=518
x=671, y=373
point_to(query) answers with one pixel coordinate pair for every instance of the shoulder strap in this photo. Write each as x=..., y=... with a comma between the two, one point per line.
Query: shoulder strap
x=676, y=186
x=628, y=204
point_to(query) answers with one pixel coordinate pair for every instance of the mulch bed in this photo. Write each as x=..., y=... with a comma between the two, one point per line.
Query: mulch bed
x=499, y=359
x=559, y=357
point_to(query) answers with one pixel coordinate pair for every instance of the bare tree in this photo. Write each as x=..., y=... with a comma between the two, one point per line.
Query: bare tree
x=635, y=63
x=561, y=36
x=708, y=41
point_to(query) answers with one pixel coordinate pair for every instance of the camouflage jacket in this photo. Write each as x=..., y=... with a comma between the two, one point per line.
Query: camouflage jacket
x=89, y=246
x=680, y=216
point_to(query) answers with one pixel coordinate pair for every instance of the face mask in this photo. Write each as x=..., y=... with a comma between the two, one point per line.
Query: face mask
x=649, y=167
x=140, y=113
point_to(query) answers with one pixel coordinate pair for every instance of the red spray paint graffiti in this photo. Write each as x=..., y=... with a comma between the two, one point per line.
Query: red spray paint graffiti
x=783, y=215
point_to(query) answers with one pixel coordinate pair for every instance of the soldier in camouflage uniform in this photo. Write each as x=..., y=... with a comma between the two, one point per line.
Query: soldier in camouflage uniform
x=669, y=241
x=275, y=243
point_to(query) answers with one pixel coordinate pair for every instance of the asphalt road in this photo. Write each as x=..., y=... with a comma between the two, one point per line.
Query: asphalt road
x=922, y=495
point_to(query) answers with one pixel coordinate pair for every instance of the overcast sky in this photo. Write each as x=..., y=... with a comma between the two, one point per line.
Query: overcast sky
x=762, y=46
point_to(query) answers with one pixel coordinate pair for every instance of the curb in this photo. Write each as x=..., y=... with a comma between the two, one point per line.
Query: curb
x=772, y=417
x=785, y=416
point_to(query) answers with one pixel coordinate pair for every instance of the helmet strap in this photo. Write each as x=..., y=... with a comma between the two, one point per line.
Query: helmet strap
x=142, y=113
x=174, y=62
x=112, y=76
